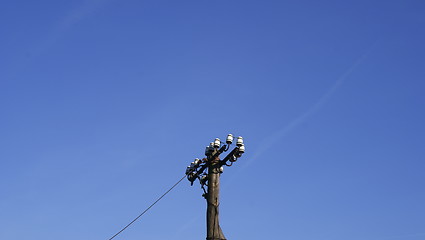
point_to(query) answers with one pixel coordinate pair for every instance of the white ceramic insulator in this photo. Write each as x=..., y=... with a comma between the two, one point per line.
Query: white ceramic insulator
x=217, y=143
x=242, y=148
x=229, y=139
x=239, y=142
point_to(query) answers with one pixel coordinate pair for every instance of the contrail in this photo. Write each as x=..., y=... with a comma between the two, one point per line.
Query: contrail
x=275, y=137
x=72, y=18
x=57, y=31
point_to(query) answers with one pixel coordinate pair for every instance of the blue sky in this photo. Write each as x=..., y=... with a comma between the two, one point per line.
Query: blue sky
x=104, y=103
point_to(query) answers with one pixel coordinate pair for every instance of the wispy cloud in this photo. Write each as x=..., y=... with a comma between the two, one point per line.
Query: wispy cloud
x=57, y=31
x=74, y=16
x=283, y=131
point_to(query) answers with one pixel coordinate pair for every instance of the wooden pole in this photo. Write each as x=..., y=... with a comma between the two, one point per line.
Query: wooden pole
x=214, y=231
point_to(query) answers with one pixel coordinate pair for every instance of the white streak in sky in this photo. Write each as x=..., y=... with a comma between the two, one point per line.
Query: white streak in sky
x=72, y=18
x=57, y=31
x=275, y=137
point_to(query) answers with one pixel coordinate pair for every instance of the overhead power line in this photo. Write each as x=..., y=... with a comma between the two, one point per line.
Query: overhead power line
x=147, y=209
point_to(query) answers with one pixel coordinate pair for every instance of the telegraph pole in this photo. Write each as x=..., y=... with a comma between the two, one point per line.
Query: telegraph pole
x=208, y=171
x=214, y=231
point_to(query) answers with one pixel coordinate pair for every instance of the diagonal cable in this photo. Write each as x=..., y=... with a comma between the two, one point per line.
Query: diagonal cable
x=116, y=234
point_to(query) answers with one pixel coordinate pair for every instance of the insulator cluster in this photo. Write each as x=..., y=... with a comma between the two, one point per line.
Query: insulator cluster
x=198, y=169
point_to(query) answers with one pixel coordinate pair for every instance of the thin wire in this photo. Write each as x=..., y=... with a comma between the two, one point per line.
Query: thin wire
x=116, y=234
